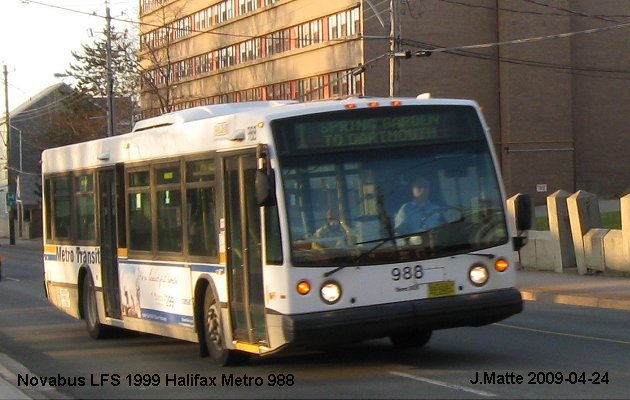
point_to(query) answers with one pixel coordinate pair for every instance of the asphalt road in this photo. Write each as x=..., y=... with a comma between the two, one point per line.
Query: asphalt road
x=548, y=351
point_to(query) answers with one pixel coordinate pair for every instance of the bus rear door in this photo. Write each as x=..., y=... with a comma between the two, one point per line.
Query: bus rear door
x=107, y=223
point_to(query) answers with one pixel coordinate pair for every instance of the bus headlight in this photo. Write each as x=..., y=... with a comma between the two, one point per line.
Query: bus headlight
x=330, y=292
x=478, y=275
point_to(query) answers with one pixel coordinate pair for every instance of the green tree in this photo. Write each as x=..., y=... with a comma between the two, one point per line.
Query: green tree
x=90, y=72
x=90, y=68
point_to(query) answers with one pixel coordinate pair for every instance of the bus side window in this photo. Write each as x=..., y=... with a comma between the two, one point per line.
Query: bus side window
x=61, y=208
x=272, y=235
x=201, y=208
x=84, y=200
x=139, y=211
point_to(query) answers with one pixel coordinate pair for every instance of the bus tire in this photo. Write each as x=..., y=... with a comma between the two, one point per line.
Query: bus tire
x=214, y=336
x=90, y=309
x=413, y=338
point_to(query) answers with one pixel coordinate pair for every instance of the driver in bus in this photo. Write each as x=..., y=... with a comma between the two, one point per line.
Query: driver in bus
x=333, y=233
x=420, y=213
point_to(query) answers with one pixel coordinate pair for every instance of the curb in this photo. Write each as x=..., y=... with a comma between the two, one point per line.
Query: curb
x=575, y=300
x=9, y=388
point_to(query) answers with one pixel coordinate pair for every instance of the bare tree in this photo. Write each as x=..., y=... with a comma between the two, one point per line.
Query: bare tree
x=156, y=61
x=80, y=119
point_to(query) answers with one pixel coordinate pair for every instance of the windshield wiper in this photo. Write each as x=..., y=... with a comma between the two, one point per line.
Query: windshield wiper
x=379, y=242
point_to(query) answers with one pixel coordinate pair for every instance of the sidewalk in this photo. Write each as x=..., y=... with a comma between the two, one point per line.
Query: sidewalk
x=9, y=369
x=569, y=288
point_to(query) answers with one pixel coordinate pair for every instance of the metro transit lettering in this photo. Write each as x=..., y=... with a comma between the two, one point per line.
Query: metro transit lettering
x=64, y=254
x=80, y=255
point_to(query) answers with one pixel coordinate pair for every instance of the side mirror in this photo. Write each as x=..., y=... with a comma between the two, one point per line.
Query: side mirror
x=524, y=212
x=265, y=188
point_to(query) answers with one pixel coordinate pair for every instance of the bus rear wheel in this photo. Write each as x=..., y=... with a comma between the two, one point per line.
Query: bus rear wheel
x=414, y=338
x=214, y=334
x=90, y=309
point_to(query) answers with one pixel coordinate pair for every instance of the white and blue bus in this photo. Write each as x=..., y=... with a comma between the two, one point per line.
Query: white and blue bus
x=254, y=227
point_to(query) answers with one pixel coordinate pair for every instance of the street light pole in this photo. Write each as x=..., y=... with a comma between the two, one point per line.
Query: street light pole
x=394, y=47
x=18, y=187
x=7, y=120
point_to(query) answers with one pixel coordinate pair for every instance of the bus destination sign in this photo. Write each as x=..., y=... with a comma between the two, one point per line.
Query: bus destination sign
x=366, y=132
x=343, y=129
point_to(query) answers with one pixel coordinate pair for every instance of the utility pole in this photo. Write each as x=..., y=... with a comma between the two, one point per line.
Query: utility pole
x=111, y=126
x=394, y=48
x=7, y=120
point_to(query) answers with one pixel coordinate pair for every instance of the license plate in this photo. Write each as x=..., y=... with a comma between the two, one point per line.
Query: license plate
x=441, y=289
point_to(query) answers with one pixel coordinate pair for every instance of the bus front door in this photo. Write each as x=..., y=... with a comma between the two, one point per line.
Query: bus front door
x=244, y=259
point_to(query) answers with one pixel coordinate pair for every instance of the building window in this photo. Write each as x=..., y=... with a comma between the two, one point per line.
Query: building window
x=304, y=35
x=246, y=6
x=355, y=22
x=316, y=31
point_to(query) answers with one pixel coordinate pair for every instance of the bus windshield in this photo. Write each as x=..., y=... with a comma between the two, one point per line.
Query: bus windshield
x=406, y=195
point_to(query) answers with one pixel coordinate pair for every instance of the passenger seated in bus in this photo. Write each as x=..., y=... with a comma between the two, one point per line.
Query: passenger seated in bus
x=420, y=213
x=333, y=233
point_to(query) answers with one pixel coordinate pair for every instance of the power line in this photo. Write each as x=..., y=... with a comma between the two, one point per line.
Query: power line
x=435, y=50
x=494, y=8
x=128, y=21
x=578, y=70
x=557, y=14
x=531, y=39
x=457, y=50
x=575, y=12
x=48, y=109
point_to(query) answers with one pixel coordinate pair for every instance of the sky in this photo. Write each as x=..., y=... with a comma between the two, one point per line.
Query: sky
x=37, y=38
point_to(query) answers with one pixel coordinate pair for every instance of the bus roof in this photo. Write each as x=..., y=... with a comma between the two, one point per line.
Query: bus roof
x=205, y=128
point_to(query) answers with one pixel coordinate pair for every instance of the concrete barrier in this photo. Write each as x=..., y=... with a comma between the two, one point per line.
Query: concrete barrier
x=584, y=215
x=552, y=249
x=616, y=243
x=576, y=237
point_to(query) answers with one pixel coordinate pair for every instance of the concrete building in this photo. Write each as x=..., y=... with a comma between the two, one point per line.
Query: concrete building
x=555, y=103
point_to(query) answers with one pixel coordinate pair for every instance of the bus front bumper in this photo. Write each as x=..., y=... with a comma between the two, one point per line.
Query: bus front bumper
x=371, y=322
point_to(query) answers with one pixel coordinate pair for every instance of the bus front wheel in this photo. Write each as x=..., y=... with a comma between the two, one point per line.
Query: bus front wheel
x=414, y=338
x=214, y=333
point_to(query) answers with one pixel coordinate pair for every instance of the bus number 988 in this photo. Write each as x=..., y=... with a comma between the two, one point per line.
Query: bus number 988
x=407, y=273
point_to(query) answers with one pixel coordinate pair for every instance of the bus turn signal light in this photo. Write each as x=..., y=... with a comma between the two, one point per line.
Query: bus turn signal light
x=501, y=265
x=303, y=287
